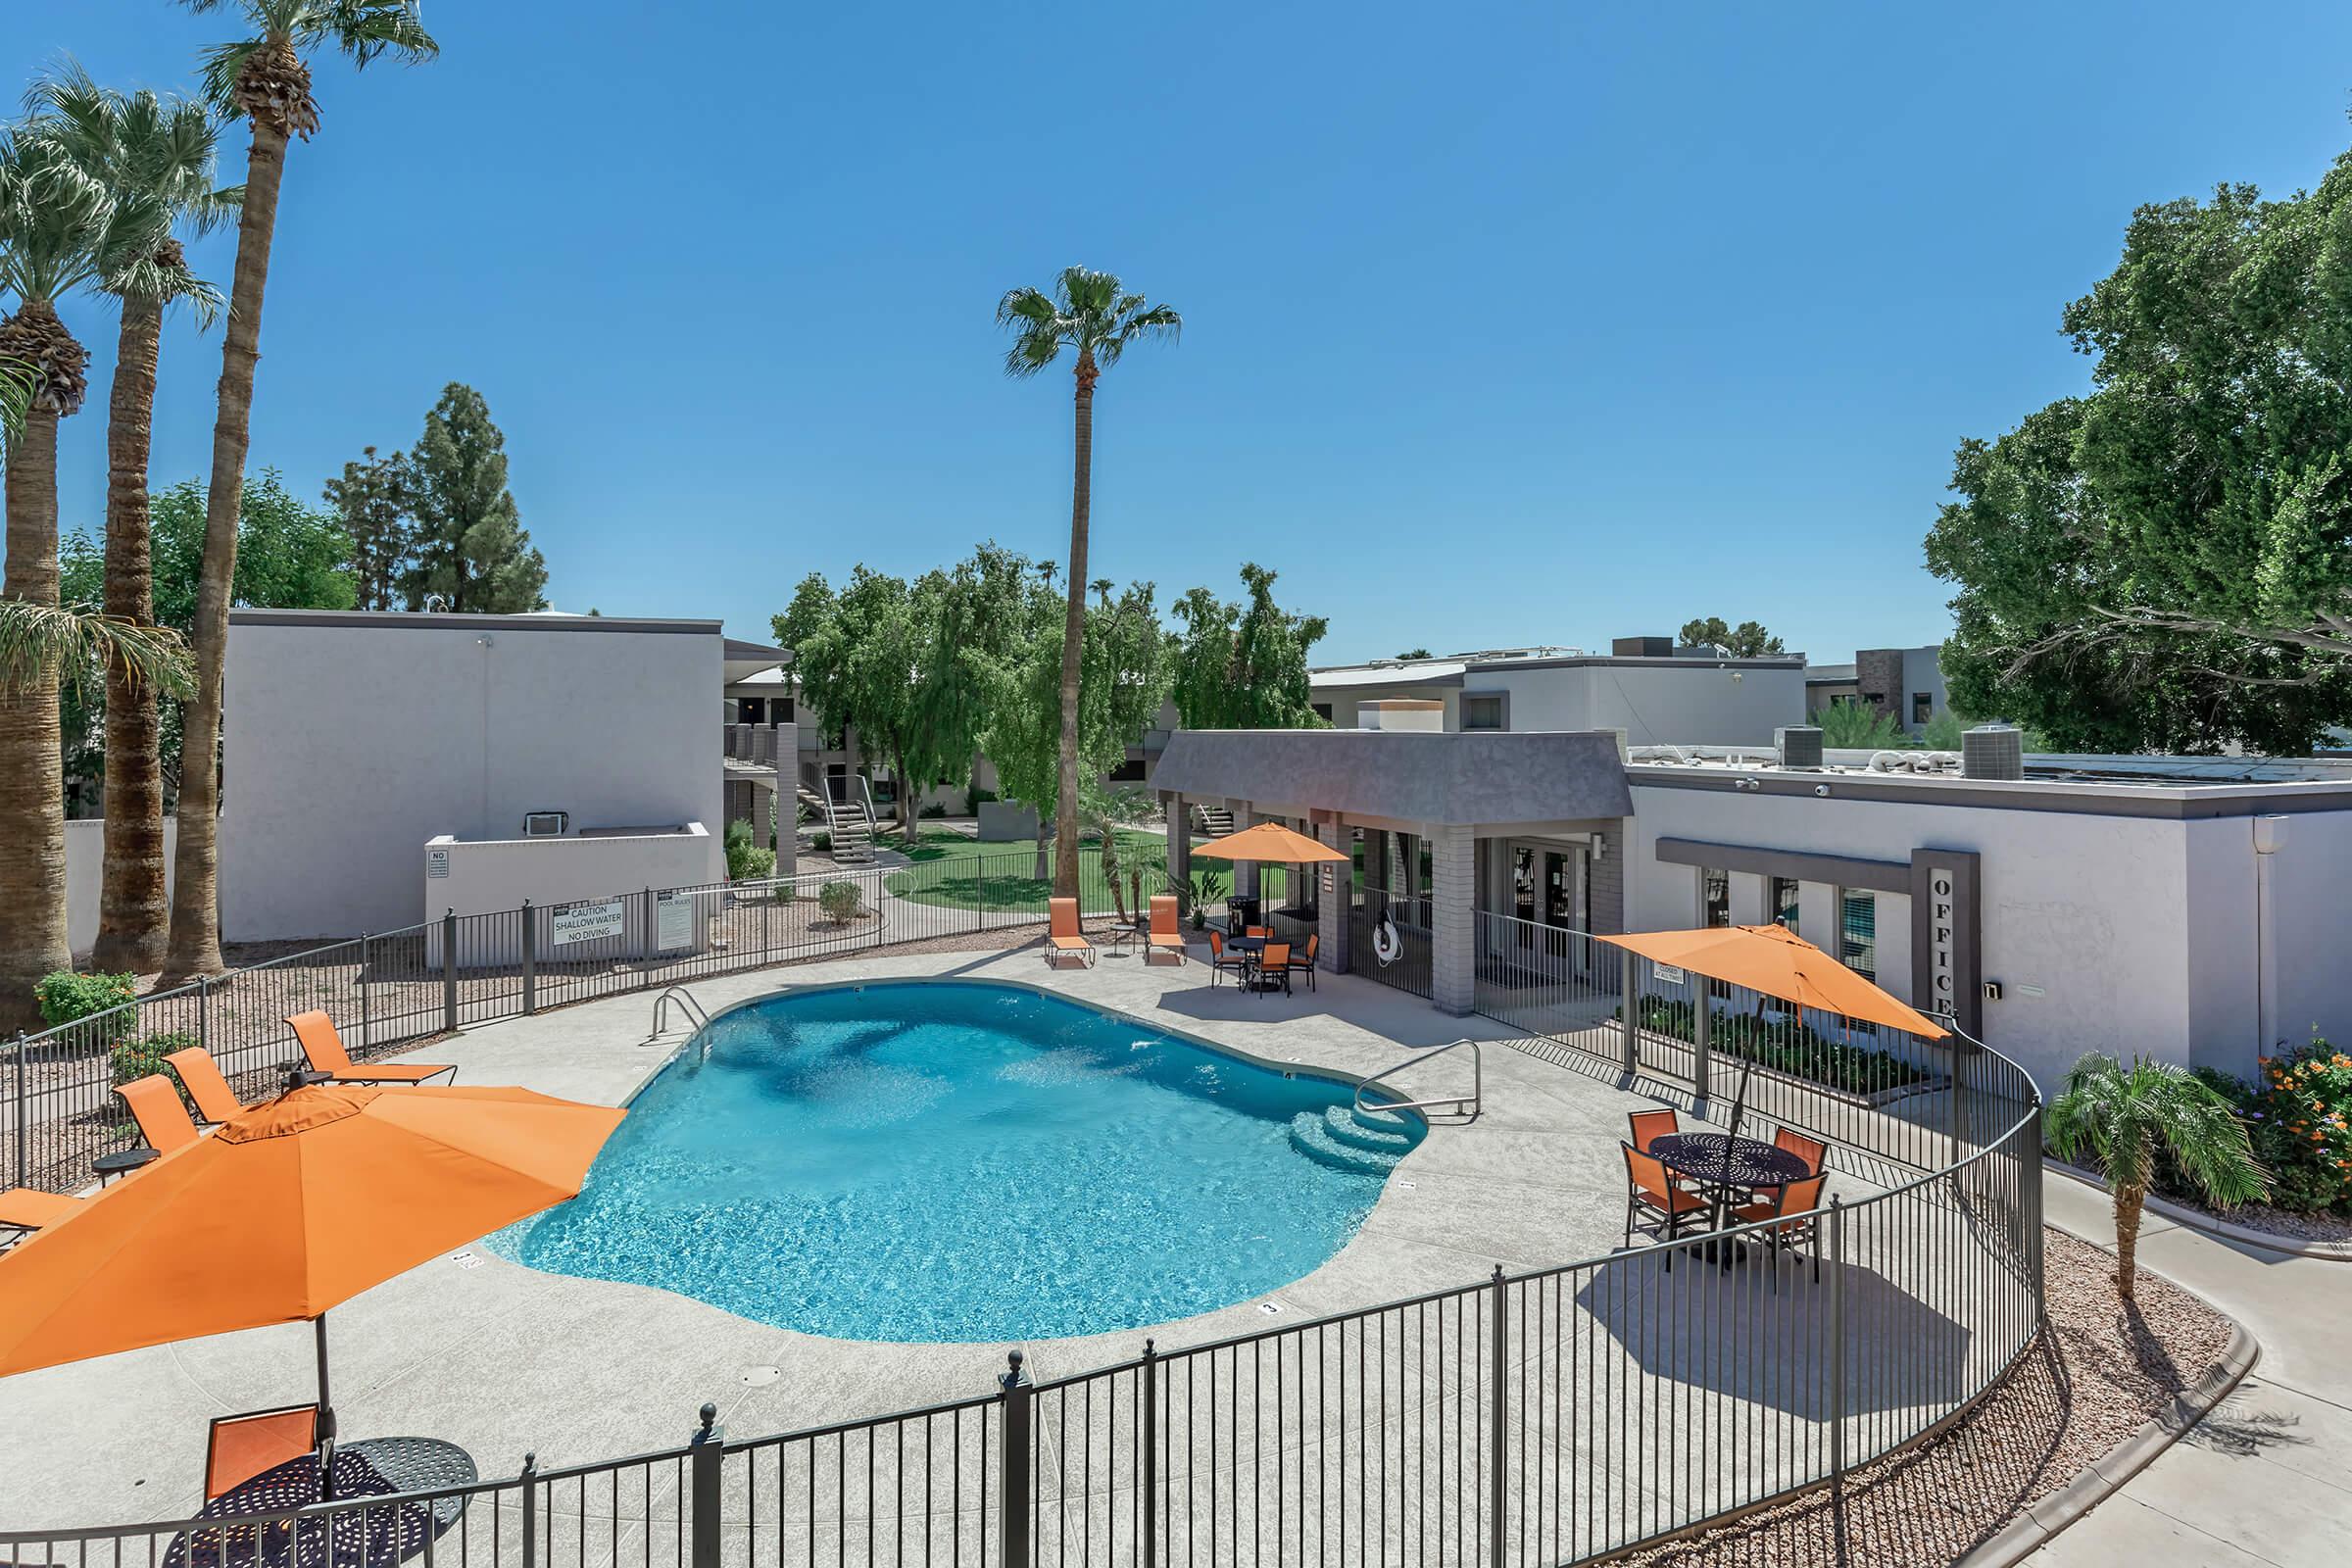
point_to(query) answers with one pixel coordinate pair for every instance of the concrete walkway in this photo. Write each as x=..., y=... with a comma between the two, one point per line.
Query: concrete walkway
x=2268, y=1476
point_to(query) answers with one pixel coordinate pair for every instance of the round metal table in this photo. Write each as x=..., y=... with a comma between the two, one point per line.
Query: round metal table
x=121, y=1162
x=1719, y=1160
x=352, y=1538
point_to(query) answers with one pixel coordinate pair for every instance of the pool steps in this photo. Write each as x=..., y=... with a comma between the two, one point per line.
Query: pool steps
x=1343, y=1140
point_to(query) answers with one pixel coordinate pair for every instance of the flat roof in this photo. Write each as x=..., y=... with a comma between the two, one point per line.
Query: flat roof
x=1452, y=669
x=1460, y=778
x=444, y=620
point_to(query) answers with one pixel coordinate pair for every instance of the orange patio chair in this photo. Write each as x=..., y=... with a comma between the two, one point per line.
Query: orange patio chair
x=1222, y=962
x=1654, y=1203
x=154, y=1102
x=1302, y=960
x=323, y=1048
x=26, y=1209
x=242, y=1447
x=1793, y=1206
x=200, y=1076
x=1274, y=961
x=1067, y=943
x=1166, y=937
x=1812, y=1150
x=1653, y=1124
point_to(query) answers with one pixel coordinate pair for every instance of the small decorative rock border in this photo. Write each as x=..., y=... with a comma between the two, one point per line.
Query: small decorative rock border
x=2196, y=1219
x=2032, y=1530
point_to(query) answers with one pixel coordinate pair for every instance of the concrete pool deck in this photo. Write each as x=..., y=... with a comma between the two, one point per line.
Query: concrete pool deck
x=503, y=1359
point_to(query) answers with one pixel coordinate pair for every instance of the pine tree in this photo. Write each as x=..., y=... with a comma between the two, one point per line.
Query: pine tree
x=472, y=551
x=372, y=501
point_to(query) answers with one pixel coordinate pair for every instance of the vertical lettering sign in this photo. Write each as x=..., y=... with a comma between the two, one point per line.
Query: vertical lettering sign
x=1944, y=946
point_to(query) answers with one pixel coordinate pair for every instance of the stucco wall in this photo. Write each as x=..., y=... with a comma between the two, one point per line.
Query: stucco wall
x=496, y=876
x=2093, y=910
x=85, y=871
x=1655, y=705
x=351, y=740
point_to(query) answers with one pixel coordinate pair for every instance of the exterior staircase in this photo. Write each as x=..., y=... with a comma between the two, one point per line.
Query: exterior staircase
x=1214, y=820
x=847, y=808
x=1347, y=1140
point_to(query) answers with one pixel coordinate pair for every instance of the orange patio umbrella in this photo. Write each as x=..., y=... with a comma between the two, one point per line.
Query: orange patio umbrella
x=1776, y=961
x=291, y=1208
x=1269, y=841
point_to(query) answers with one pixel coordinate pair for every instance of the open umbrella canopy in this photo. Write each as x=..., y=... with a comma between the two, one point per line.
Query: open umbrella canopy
x=1775, y=960
x=1269, y=841
x=298, y=1204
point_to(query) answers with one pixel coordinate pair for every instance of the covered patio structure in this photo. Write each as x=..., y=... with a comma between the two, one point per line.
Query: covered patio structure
x=1465, y=846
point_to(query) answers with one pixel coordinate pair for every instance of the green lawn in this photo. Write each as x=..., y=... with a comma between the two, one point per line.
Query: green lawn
x=959, y=873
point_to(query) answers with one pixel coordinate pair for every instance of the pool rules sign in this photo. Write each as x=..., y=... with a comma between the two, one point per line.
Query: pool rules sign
x=1946, y=954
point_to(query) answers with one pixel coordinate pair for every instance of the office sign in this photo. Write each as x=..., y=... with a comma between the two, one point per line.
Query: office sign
x=589, y=920
x=1947, y=953
x=1943, y=946
x=673, y=921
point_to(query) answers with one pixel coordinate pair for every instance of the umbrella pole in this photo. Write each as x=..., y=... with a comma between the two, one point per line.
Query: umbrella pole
x=326, y=1417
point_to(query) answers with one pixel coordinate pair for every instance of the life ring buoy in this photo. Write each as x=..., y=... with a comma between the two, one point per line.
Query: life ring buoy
x=1387, y=946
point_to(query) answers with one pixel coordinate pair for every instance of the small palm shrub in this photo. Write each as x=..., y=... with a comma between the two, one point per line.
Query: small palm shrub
x=66, y=996
x=2124, y=1117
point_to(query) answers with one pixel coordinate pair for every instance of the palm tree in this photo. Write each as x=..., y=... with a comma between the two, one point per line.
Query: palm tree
x=157, y=155
x=266, y=80
x=1086, y=311
x=75, y=646
x=2122, y=1114
x=52, y=225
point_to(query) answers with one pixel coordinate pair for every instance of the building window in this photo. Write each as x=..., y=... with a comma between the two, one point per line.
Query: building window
x=1714, y=897
x=1785, y=894
x=1923, y=707
x=1858, y=932
x=784, y=710
x=1486, y=713
x=1129, y=771
x=1323, y=711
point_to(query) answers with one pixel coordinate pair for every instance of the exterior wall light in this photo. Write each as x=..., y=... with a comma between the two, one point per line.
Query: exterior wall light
x=1822, y=790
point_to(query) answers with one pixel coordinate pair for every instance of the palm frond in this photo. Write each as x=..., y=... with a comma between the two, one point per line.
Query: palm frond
x=2122, y=1115
x=78, y=647
x=16, y=381
x=217, y=71
x=366, y=30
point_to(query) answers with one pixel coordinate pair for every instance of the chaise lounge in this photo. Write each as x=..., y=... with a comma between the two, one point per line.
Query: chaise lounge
x=323, y=1045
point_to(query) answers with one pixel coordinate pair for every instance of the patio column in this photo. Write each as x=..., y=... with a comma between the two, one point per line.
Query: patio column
x=1244, y=872
x=1335, y=899
x=1180, y=851
x=1452, y=896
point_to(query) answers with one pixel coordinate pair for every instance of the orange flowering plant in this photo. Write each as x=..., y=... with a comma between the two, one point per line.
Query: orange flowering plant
x=2301, y=1120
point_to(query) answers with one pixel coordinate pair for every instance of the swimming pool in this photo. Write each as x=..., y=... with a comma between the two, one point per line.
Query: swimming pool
x=953, y=1160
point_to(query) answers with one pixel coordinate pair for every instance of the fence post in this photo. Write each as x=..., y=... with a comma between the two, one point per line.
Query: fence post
x=204, y=1012
x=23, y=1124
x=705, y=1450
x=530, y=960
x=1702, y=1042
x=1147, y=1483
x=449, y=972
x=1012, y=1468
x=1837, y=1347
x=366, y=1003
x=1628, y=1001
x=531, y=1510
x=1959, y=1125
x=1499, y=1378
x=645, y=930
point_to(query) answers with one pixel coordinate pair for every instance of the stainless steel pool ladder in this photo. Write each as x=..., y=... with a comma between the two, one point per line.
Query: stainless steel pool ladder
x=693, y=1010
x=1463, y=1105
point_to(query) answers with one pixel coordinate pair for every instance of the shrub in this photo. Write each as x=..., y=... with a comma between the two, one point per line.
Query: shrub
x=821, y=841
x=2300, y=1119
x=745, y=859
x=1784, y=1045
x=839, y=900
x=143, y=1057
x=935, y=809
x=66, y=997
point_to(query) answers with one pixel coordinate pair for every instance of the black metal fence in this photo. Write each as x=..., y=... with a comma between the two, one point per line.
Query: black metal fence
x=390, y=989
x=1553, y=1416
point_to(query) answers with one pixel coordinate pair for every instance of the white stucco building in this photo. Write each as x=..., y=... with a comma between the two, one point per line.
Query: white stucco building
x=351, y=740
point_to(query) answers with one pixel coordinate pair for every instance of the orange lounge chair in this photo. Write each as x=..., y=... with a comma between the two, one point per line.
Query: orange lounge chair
x=1067, y=943
x=154, y=1102
x=1165, y=936
x=200, y=1076
x=26, y=1209
x=323, y=1048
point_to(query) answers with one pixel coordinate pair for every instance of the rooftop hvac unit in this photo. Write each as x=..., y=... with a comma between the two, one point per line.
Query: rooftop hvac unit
x=1800, y=744
x=1993, y=750
x=545, y=825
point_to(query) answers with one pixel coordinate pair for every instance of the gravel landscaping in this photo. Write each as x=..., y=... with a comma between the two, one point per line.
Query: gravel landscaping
x=2099, y=1371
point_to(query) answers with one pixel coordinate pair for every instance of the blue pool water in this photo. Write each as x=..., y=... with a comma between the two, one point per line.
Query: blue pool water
x=947, y=1160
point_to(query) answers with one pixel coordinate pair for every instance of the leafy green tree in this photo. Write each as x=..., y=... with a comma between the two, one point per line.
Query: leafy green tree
x=1858, y=727
x=1086, y=313
x=1747, y=640
x=1414, y=653
x=264, y=79
x=2123, y=1115
x=2168, y=561
x=1244, y=667
x=470, y=549
x=157, y=159
x=371, y=503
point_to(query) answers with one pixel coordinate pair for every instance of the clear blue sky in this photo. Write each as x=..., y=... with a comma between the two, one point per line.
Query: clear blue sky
x=1528, y=324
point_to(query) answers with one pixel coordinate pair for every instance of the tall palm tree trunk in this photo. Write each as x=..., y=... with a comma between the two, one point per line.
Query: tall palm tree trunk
x=133, y=914
x=195, y=943
x=1073, y=629
x=2127, y=1203
x=32, y=791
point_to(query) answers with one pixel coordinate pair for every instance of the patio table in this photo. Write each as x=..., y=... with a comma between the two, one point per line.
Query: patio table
x=355, y=1537
x=1722, y=1164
